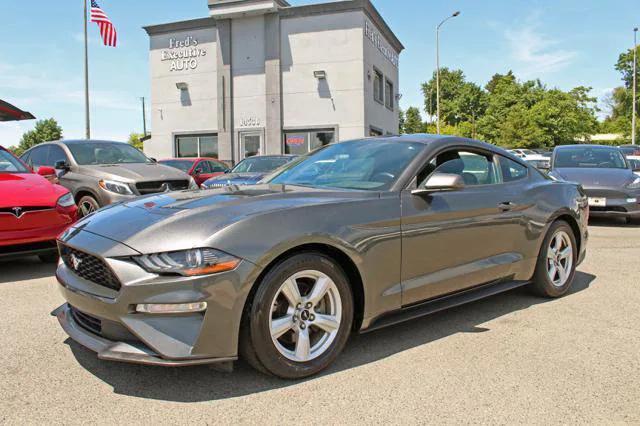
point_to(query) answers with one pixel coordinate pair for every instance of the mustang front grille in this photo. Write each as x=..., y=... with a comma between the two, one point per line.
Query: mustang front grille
x=89, y=267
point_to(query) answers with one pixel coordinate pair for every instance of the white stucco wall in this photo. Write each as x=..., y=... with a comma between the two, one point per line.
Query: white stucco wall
x=172, y=111
x=332, y=43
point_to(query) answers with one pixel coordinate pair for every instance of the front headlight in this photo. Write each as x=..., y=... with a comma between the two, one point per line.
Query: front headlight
x=193, y=184
x=116, y=187
x=66, y=201
x=635, y=184
x=202, y=261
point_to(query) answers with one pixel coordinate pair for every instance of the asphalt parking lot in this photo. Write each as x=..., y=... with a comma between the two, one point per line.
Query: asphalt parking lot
x=512, y=358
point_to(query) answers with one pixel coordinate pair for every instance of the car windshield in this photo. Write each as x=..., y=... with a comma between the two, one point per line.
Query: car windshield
x=10, y=164
x=362, y=165
x=260, y=164
x=590, y=157
x=184, y=165
x=96, y=153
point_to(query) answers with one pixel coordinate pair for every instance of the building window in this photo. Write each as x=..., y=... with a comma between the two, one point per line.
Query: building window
x=374, y=131
x=378, y=86
x=388, y=94
x=197, y=146
x=299, y=142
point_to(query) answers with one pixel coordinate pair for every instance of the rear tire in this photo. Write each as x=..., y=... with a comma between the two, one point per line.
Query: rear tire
x=299, y=319
x=557, y=261
x=87, y=205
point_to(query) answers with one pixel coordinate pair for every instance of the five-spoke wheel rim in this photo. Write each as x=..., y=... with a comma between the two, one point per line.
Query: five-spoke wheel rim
x=560, y=258
x=305, y=316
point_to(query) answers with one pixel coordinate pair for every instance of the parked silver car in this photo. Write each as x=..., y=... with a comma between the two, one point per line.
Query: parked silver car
x=99, y=173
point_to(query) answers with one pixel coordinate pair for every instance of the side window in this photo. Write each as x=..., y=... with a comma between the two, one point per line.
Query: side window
x=56, y=154
x=378, y=86
x=204, y=167
x=512, y=171
x=217, y=167
x=39, y=156
x=474, y=168
x=26, y=158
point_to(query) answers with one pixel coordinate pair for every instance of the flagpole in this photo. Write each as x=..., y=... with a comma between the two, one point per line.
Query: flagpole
x=86, y=75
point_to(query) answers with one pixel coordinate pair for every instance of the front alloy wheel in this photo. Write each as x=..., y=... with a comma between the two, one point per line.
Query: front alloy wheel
x=306, y=316
x=299, y=319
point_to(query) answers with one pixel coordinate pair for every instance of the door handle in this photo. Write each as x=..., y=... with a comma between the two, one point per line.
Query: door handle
x=507, y=206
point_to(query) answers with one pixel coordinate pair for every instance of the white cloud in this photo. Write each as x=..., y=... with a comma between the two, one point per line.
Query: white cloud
x=535, y=53
x=11, y=132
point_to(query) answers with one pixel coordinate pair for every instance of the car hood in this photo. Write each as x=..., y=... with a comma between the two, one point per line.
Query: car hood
x=28, y=190
x=236, y=178
x=596, y=178
x=190, y=219
x=132, y=173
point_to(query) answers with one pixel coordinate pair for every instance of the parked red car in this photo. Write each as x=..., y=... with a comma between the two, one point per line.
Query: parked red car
x=200, y=169
x=33, y=211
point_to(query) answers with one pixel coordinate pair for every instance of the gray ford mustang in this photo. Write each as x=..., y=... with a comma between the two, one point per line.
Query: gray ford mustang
x=356, y=236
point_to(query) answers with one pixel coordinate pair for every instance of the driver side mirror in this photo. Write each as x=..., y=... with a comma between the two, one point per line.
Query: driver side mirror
x=440, y=182
x=62, y=165
x=46, y=171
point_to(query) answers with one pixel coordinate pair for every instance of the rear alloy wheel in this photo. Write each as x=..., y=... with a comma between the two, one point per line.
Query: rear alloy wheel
x=87, y=205
x=556, y=266
x=300, y=318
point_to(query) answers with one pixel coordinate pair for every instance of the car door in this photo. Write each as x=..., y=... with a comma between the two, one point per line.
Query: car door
x=455, y=240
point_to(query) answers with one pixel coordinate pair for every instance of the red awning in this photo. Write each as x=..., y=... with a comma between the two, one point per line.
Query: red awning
x=10, y=113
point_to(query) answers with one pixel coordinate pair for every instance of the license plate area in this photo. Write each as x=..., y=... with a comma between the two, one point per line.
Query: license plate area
x=598, y=202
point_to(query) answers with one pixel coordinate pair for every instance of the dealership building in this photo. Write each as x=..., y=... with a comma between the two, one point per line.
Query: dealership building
x=264, y=77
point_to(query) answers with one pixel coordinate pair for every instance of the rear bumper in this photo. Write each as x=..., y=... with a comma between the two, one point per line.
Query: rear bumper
x=121, y=351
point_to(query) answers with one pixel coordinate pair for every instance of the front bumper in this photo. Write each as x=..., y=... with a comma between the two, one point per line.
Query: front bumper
x=129, y=352
x=169, y=340
x=617, y=203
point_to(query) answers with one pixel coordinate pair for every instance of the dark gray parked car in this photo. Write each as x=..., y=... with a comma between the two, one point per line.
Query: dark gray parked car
x=606, y=176
x=99, y=173
x=357, y=236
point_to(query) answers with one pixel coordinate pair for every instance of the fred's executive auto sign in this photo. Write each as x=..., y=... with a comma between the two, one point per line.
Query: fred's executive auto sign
x=378, y=41
x=183, y=53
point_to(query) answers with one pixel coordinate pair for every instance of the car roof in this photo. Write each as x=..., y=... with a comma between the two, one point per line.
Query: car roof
x=582, y=145
x=84, y=141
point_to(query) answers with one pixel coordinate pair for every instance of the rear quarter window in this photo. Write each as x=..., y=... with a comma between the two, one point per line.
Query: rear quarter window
x=512, y=171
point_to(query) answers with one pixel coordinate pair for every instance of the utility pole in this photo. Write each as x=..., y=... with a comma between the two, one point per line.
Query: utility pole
x=634, y=112
x=86, y=75
x=144, y=116
x=438, y=67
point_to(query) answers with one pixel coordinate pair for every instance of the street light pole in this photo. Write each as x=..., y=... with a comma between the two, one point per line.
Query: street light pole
x=634, y=112
x=438, y=68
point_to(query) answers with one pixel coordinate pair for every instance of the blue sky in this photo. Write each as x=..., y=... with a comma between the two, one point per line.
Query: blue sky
x=565, y=43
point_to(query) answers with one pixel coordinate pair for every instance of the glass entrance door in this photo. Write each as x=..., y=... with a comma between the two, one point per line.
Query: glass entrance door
x=250, y=144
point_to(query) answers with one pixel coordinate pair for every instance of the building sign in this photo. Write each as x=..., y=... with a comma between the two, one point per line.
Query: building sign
x=183, y=53
x=250, y=122
x=379, y=42
x=295, y=140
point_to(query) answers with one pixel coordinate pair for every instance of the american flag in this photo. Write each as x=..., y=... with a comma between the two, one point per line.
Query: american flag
x=107, y=30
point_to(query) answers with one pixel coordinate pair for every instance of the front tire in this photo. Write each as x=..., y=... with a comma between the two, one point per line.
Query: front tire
x=300, y=318
x=557, y=261
x=87, y=205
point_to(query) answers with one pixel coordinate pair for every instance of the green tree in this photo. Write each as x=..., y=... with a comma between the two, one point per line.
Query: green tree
x=135, y=140
x=460, y=101
x=44, y=131
x=413, y=121
x=625, y=67
x=401, y=118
